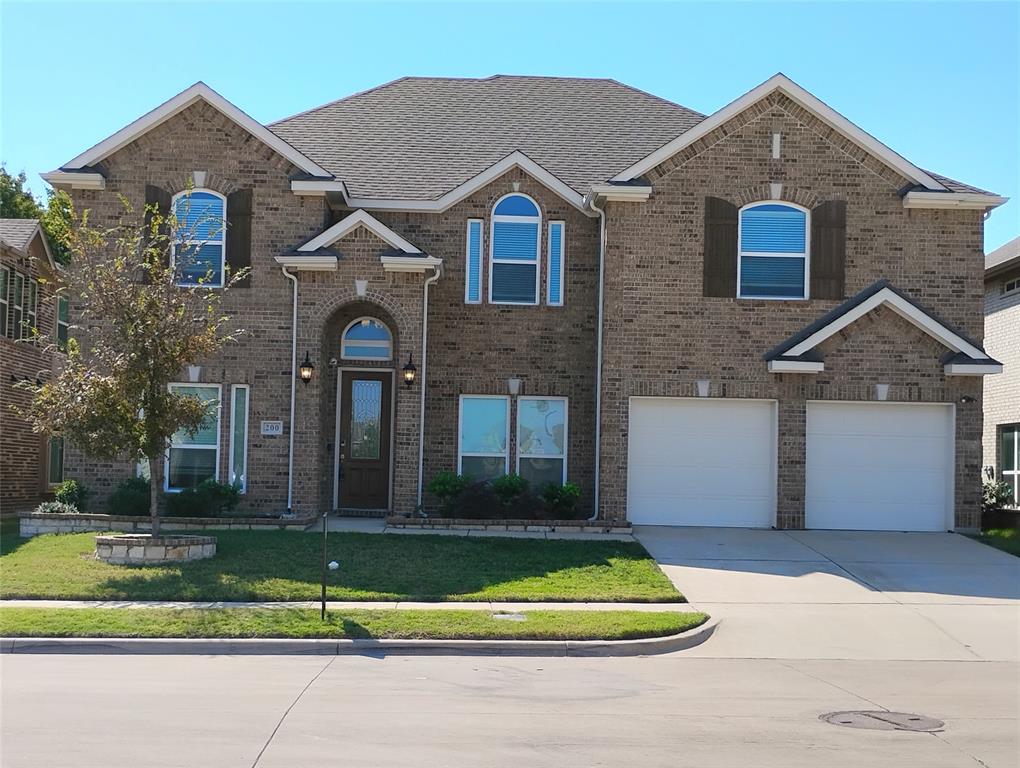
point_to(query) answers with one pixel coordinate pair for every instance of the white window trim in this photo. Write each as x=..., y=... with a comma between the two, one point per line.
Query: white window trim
x=566, y=434
x=199, y=243
x=1009, y=287
x=219, y=423
x=806, y=255
x=1015, y=472
x=58, y=323
x=467, y=261
x=32, y=307
x=537, y=220
x=5, y=303
x=460, y=431
x=563, y=263
x=244, y=449
x=17, y=328
x=365, y=344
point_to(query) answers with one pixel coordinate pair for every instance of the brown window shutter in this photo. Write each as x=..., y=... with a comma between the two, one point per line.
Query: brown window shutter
x=163, y=201
x=828, y=250
x=239, y=235
x=720, y=263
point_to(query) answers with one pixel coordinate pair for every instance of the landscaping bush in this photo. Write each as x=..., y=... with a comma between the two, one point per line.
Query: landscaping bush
x=207, y=499
x=995, y=495
x=73, y=493
x=561, y=500
x=508, y=487
x=57, y=508
x=447, y=487
x=477, y=501
x=130, y=497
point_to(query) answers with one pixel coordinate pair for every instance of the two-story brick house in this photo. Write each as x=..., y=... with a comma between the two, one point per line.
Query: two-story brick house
x=31, y=320
x=759, y=317
x=1002, y=339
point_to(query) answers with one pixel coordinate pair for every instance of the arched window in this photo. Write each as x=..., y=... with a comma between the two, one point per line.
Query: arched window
x=366, y=339
x=199, y=248
x=773, y=259
x=514, y=248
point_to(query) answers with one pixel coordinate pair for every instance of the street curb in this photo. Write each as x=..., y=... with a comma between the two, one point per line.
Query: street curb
x=321, y=647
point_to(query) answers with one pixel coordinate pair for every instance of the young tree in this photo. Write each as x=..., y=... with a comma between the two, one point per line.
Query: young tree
x=137, y=330
x=18, y=202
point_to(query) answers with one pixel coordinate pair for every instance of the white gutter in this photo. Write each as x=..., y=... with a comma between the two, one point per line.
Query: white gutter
x=598, y=363
x=438, y=271
x=293, y=392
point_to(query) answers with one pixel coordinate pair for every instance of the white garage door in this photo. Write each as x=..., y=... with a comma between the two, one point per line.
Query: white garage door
x=879, y=466
x=701, y=462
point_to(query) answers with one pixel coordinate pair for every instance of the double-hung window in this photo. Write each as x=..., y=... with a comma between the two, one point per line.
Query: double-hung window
x=514, y=248
x=239, y=436
x=773, y=257
x=5, y=303
x=199, y=246
x=484, y=445
x=31, y=309
x=1011, y=286
x=194, y=456
x=17, y=329
x=1009, y=459
x=55, y=462
x=63, y=322
x=541, y=440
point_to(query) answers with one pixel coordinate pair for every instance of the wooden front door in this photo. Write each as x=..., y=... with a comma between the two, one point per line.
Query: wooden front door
x=365, y=410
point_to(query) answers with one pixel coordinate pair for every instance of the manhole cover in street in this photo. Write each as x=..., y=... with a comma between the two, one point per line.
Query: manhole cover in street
x=880, y=720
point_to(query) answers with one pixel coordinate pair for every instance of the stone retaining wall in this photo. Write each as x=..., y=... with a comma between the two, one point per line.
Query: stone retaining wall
x=35, y=523
x=537, y=526
x=142, y=549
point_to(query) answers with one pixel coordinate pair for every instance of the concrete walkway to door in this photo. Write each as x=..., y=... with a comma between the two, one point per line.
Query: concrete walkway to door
x=845, y=594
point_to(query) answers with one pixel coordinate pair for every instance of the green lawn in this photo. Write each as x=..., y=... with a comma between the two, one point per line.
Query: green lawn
x=284, y=622
x=285, y=565
x=1005, y=539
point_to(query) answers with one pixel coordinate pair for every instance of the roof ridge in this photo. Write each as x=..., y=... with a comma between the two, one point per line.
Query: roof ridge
x=654, y=96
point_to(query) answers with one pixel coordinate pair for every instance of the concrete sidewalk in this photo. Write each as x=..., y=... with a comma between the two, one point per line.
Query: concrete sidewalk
x=348, y=605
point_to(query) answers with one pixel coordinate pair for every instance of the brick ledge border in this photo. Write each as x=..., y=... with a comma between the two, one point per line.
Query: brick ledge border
x=320, y=647
x=36, y=523
x=509, y=525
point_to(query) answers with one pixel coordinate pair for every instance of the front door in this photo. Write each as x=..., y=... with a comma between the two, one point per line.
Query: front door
x=365, y=439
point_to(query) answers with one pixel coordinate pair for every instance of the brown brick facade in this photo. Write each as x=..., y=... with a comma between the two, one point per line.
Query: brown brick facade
x=661, y=334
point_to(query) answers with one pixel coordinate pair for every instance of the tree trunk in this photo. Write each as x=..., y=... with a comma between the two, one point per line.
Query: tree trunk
x=155, y=485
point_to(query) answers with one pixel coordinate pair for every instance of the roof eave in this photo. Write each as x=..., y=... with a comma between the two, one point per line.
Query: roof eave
x=958, y=200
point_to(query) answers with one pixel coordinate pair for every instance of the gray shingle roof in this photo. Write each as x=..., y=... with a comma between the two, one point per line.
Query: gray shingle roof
x=1004, y=253
x=17, y=233
x=957, y=186
x=419, y=137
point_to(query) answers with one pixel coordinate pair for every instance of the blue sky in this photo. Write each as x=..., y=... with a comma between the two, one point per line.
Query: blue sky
x=938, y=82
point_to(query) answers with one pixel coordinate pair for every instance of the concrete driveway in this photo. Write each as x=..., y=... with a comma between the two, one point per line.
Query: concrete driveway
x=845, y=594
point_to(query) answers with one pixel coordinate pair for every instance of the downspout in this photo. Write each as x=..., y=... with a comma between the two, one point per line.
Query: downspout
x=437, y=273
x=293, y=393
x=598, y=352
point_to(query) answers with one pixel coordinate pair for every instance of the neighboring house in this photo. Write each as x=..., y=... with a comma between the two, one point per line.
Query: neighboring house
x=1002, y=340
x=30, y=464
x=759, y=317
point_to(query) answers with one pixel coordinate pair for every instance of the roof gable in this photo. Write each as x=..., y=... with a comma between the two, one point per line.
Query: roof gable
x=798, y=353
x=780, y=82
x=19, y=234
x=180, y=102
x=359, y=219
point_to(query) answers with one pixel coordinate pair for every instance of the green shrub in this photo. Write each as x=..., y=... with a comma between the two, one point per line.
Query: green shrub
x=995, y=495
x=476, y=501
x=74, y=493
x=130, y=497
x=508, y=487
x=207, y=499
x=57, y=508
x=561, y=500
x=447, y=487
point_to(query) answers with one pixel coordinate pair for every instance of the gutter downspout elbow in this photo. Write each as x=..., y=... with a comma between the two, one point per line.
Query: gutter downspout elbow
x=293, y=391
x=437, y=273
x=598, y=353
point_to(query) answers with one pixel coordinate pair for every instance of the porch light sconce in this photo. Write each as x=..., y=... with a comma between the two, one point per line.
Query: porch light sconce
x=703, y=386
x=881, y=391
x=194, y=373
x=410, y=371
x=361, y=287
x=513, y=386
x=306, y=369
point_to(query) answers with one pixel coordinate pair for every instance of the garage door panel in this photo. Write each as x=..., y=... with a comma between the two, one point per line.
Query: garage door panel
x=878, y=466
x=698, y=462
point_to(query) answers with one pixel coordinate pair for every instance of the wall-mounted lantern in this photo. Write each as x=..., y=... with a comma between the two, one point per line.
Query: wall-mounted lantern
x=410, y=371
x=306, y=369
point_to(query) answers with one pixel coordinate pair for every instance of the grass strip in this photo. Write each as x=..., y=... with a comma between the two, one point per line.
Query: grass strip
x=285, y=565
x=351, y=624
x=1006, y=539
